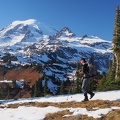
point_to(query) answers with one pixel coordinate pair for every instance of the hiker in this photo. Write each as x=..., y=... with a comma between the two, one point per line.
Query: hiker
x=85, y=79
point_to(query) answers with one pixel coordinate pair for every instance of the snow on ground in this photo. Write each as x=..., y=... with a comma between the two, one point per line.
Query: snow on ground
x=39, y=113
x=27, y=113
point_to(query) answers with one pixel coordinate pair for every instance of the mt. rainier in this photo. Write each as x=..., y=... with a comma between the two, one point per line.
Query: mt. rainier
x=21, y=31
x=32, y=42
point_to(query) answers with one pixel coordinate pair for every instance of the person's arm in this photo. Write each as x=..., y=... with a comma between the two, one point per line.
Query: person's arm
x=82, y=72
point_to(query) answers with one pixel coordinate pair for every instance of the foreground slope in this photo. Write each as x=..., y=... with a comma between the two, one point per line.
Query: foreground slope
x=103, y=106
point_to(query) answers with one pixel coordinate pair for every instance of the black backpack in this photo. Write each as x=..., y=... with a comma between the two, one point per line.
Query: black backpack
x=92, y=71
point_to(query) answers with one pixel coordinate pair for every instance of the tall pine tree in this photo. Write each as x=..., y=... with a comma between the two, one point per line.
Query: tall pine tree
x=45, y=86
x=116, y=46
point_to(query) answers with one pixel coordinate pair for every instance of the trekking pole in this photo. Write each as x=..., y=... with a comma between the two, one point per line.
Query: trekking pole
x=69, y=96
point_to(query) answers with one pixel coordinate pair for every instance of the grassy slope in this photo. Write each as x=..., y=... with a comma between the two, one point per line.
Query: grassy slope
x=113, y=115
x=30, y=75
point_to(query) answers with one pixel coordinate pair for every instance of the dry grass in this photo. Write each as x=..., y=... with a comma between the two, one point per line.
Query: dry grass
x=113, y=115
x=89, y=105
x=28, y=74
x=60, y=116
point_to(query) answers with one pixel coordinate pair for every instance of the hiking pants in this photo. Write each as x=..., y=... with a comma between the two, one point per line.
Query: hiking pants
x=85, y=85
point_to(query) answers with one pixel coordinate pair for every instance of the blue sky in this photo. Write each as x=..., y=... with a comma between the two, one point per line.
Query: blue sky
x=92, y=17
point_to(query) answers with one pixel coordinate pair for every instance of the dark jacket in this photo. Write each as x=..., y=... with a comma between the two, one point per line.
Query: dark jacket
x=85, y=70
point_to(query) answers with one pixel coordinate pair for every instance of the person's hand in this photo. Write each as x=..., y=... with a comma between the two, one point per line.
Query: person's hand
x=81, y=73
x=77, y=72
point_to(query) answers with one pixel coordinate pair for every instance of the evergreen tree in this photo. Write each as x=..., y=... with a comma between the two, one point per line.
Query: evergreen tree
x=45, y=86
x=0, y=93
x=116, y=46
x=35, y=90
x=38, y=88
x=113, y=78
x=8, y=93
x=62, y=88
x=78, y=81
x=14, y=83
x=110, y=76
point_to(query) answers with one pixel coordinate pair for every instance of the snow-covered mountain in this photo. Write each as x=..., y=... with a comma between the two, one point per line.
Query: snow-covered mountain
x=23, y=31
x=32, y=42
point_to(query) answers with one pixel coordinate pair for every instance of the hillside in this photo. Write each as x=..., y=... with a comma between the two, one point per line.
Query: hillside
x=103, y=106
x=19, y=81
x=29, y=75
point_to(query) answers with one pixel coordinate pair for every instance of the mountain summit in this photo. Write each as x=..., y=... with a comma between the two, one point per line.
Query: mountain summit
x=22, y=31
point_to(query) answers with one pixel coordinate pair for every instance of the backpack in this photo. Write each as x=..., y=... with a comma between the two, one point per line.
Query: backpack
x=92, y=71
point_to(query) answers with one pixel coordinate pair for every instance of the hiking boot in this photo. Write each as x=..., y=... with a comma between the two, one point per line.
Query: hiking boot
x=91, y=95
x=85, y=100
x=86, y=97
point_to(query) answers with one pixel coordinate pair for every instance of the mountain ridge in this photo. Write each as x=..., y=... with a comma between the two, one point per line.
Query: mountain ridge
x=57, y=53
